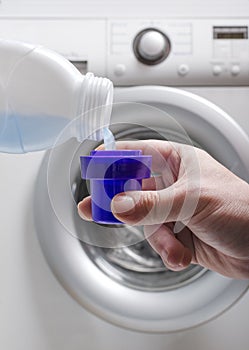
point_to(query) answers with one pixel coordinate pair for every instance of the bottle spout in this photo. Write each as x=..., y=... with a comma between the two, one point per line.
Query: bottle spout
x=95, y=107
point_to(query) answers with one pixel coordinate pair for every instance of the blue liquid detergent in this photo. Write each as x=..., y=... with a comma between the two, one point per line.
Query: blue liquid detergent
x=109, y=140
x=30, y=133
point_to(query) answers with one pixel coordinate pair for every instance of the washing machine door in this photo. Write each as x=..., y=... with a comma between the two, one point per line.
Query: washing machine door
x=110, y=270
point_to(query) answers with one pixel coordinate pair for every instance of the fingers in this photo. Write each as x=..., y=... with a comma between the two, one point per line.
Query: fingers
x=84, y=209
x=173, y=253
x=149, y=207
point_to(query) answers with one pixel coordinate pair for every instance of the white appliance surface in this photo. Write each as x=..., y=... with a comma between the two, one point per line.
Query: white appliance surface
x=35, y=310
x=121, y=8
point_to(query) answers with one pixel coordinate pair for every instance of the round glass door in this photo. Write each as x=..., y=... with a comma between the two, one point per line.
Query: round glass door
x=111, y=270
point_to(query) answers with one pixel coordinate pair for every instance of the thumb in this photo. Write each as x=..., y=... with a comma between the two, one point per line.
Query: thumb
x=149, y=207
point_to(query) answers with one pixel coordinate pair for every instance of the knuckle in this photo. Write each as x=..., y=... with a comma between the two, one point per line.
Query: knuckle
x=149, y=201
x=148, y=208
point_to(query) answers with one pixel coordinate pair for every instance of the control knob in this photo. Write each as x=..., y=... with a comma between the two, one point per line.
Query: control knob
x=151, y=46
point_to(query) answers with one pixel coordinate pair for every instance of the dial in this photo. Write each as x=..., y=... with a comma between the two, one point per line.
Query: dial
x=151, y=46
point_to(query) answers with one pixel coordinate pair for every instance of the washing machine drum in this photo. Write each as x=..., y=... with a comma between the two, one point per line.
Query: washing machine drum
x=110, y=270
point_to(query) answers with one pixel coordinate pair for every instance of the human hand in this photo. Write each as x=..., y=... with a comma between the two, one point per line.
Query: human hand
x=193, y=189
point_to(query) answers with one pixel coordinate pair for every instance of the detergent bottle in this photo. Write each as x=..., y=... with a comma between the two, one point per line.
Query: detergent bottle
x=41, y=93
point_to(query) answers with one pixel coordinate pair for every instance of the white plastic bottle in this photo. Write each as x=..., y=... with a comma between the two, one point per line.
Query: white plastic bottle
x=41, y=93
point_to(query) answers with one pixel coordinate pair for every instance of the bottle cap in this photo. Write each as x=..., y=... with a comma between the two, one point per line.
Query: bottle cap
x=112, y=172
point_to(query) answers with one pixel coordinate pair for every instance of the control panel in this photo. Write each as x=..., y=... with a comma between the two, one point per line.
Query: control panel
x=171, y=51
x=178, y=52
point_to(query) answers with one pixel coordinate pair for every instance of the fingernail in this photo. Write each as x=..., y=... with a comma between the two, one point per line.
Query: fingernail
x=164, y=256
x=123, y=204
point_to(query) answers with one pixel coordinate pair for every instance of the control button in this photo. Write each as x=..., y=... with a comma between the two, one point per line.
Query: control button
x=235, y=70
x=119, y=69
x=217, y=69
x=151, y=46
x=183, y=69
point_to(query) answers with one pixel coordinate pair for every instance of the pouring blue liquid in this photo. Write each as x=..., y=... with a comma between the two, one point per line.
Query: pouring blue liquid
x=109, y=140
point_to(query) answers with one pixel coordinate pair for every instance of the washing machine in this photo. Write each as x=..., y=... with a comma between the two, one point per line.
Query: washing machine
x=181, y=73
